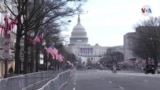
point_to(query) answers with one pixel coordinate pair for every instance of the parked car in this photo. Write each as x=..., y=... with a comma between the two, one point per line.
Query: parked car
x=158, y=69
x=150, y=69
x=89, y=67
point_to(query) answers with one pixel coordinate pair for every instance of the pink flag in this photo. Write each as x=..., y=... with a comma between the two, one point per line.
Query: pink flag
x=50, y=50
x=72, y=64
x=41, y=37
x=69, y=62
x=36, y=40
x=6, y=20
x=2, y=31
x=60, y=58
x=12, y=23
x=55, y=51
x=47, y=51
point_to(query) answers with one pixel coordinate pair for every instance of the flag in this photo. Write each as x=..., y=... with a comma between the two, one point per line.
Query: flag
x=60, y=58
x=38, y=39
x=2, y=28
x=69, y=63
x=47, y=51
x=6, y=23
x=72, y=64
x=30, y=40
x=55, y=51
x=13, y=23
x=8, y=26
x=50, y=50
x=41, y=37
x=1, y=31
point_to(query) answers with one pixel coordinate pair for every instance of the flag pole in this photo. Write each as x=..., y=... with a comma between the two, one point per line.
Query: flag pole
x=6, y=43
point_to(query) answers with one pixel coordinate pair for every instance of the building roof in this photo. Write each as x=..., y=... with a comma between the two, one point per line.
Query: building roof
x=79, y=35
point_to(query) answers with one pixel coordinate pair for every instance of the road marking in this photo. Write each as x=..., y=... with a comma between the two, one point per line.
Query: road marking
x=146, y=81
x=74, y=88
x=121, y=87
x=110, y=82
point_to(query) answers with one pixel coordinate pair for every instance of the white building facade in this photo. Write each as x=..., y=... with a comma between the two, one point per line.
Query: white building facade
x=118, y=49
x=128, y=54
x=80, y=47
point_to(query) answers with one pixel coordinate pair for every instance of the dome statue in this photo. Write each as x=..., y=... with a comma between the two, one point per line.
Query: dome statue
x=79, y=35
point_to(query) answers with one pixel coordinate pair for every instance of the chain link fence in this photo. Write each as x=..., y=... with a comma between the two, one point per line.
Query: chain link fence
x=31, y=81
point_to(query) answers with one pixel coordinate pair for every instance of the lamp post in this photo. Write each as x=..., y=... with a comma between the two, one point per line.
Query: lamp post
x=6, y=40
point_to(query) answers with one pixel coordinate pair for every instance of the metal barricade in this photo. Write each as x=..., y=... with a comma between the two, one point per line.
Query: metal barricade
x=30, y=81
x=58, y=82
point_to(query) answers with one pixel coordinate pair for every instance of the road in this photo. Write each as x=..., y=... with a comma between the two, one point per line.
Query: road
x=106, y=80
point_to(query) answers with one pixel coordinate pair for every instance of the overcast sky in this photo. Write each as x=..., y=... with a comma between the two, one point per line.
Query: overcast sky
x=107, y=21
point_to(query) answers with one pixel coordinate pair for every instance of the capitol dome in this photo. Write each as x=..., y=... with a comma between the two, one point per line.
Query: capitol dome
x=78, y=35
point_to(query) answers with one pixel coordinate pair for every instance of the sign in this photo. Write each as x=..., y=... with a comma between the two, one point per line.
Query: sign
x=146, y=10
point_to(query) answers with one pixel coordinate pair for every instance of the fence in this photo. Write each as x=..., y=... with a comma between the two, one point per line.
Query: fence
x=58, y=82
x=30, y=81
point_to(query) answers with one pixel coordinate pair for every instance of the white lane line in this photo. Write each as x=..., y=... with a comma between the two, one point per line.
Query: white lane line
x=110, y=82
x=122, y=88
x=146, y=81
x=74, y=88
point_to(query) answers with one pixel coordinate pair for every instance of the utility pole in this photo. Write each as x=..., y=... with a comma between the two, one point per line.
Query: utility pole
x=6, y=39
x=6, y=43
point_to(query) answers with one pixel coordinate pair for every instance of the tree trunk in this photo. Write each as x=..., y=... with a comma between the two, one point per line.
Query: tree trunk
x=17, y=57
x=32, y=59
x=17, y=51
x=25, y=54
x=45, y=60
x=37, y=56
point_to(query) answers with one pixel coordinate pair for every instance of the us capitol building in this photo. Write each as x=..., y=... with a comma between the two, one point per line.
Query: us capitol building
x=80, y=47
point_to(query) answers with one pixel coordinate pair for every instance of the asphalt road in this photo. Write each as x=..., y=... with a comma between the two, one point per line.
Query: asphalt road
x=106, y=80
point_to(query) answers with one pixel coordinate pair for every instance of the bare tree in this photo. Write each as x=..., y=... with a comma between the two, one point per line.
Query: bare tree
x=34, y=15
x=111, y=57
x=146, y=41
